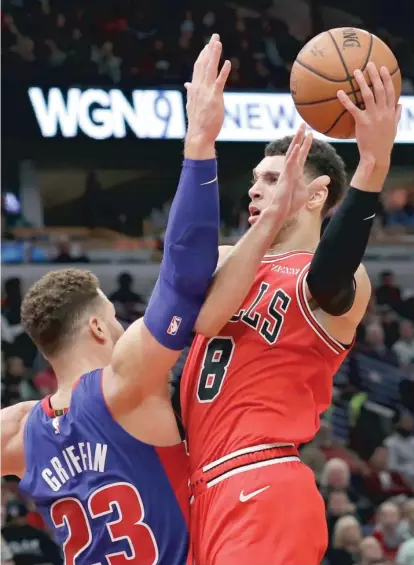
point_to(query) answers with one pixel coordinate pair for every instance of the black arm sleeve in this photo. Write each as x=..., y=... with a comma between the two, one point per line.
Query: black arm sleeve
x=331, y=275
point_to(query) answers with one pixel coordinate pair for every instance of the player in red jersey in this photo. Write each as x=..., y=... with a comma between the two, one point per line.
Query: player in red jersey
x=254, y=391
x=111, y=382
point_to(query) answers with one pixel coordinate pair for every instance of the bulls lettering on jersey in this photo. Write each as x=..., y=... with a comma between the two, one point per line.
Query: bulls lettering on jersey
x=109, y=498
x=268, y=375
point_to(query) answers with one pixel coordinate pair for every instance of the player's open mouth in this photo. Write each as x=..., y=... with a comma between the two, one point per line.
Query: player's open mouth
x=254, y=214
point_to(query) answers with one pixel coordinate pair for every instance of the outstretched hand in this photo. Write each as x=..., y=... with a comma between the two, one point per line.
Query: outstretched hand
x=291, y=192
x=205, y=100
x=375, y=125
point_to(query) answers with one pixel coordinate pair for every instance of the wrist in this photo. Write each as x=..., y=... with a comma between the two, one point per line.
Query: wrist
x=198, y=148
x=370, y=175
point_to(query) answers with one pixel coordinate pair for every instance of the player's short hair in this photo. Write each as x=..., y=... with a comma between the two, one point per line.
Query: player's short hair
x=322, y=160
x=52, y=307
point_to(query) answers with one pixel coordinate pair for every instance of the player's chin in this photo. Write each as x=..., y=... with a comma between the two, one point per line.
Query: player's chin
x=253, y=219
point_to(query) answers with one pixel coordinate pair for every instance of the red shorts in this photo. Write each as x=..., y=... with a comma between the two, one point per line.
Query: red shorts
x=258, y=505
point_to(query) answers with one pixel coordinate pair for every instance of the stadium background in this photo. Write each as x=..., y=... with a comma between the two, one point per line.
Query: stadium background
x=92, y=127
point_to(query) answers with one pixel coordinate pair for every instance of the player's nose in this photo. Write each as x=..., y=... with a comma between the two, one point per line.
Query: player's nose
x=255, y=193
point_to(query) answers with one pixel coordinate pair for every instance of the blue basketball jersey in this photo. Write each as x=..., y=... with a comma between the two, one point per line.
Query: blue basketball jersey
x=109, y=498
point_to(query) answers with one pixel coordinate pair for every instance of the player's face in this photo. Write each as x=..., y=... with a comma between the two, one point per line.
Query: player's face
x=265, y=177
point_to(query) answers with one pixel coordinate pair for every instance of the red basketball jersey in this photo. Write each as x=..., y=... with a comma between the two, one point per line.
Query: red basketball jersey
x=269, y=374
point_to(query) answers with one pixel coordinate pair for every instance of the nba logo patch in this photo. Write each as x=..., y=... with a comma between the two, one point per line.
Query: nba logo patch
x=174, y=325
x=56, y=425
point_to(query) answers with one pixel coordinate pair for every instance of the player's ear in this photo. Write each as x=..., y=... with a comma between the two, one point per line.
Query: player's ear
x=318, y=192
x=97, y=329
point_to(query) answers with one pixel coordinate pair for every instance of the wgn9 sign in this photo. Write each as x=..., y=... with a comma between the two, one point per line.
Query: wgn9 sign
x=102, y=114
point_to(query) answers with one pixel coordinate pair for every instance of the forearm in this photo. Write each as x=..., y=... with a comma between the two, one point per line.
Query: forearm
x=341, y=249
x=235, y=276
x=190, y=255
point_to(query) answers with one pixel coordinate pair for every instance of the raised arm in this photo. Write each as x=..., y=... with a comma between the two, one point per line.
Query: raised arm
x=238, y=269
x=336, y=280
x=13, y=420
x=148, y=349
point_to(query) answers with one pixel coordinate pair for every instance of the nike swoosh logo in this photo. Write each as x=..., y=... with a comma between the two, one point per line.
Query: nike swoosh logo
x=370, y=217
x=246, y=497
x=209, y=181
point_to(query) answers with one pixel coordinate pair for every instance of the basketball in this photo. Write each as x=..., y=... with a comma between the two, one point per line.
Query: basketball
x=325, y=65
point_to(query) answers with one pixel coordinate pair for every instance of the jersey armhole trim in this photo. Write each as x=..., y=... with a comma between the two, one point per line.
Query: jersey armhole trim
x=166, y=448
x=269, y=258
x=26, y=439
x=333, y=344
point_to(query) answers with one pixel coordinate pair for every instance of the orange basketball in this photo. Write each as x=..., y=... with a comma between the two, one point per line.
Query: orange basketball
x=325, y=65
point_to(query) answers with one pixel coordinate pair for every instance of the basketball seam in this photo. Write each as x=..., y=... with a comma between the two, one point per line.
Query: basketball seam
x=335, y=122
x=364, y=66
x=335, y=97
x=321, y=75
x=348, y=76
x=320, y=101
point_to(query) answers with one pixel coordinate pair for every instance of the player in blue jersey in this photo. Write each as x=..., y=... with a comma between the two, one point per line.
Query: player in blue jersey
x=102, y=458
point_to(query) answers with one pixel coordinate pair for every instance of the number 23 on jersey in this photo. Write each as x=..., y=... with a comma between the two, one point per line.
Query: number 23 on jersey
x=125, y=503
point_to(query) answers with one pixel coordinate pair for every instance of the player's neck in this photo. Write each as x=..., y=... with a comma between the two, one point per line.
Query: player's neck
x=305, y=238
x=70, y=366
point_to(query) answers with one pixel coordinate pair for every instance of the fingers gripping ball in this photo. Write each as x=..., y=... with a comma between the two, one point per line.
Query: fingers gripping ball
x=325, y=65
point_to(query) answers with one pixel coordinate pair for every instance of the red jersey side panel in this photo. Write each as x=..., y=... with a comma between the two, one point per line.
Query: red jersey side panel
x=268, y=376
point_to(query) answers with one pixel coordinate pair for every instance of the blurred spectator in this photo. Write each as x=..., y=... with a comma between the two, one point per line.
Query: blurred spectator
x=336, y=475
x=401, y=448
x=405, y=554
x=331, y=449
x=371, y=552
x=6, y=556
x=406, y=527
x=29, y=546
x=68, y=252
x=382, y=483
x=404, y=347
x=15, y=386
x=313, y=457
x=338, y=505
x=390, y=325
x=375, y=345
x=12, y=300
x=107, y=62
x=388, y=293
x=346, y=540
x=386, y=529
x=129, y=305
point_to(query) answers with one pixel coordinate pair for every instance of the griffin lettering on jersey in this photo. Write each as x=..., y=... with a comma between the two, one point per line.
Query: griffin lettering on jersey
x=75, y=459
x=270, y=325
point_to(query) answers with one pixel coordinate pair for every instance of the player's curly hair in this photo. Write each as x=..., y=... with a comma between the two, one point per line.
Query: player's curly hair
x=52, y=307
x=322, y=160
